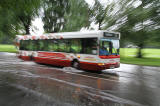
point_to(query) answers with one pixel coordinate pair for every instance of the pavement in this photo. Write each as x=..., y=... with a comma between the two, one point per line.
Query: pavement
x=25, y=83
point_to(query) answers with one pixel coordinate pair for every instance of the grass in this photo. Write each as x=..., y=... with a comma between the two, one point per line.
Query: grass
x=8, y=48
x=148, y=53
x=151, y=57
x=128, y=55
x=142, y=61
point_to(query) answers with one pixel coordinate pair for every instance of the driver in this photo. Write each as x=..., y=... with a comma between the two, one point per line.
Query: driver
x=103, y=51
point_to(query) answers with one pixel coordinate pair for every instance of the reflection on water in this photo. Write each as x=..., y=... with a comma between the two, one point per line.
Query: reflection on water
x=39, y=91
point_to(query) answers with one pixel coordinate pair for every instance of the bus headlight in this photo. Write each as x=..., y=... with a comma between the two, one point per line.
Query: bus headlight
x=101, y=64
x=78, y=56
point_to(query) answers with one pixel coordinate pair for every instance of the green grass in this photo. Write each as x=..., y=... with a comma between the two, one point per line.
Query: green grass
x=142, y=61
x=7, y=48
x=148, y=53
x=151, y=57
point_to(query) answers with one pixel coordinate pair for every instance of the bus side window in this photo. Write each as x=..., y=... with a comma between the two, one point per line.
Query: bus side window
x=50, y=45
x=45, y=48
x=41, y=45
x=34, y=45
x=68, y=45
x=27, y=44
x=76, y=46
x=22, y=45
x=55, y=45
x=64, y=45
x=30, y=45
x=61, y=46
x=89, y=45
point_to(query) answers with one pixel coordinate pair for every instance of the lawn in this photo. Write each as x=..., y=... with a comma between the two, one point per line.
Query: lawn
x=8, y=48
x=148, y=53
x=151, y=56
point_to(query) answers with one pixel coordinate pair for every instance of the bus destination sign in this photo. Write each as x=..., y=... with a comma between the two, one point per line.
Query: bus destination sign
x=111, y=35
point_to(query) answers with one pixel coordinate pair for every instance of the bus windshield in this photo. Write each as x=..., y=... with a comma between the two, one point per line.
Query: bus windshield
x=109, y=47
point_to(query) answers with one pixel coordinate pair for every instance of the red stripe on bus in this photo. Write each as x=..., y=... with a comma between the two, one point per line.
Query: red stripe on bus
x=51, y=54
x=57, y=62
x=110, y=57
x=95, y=66
x=27, y=58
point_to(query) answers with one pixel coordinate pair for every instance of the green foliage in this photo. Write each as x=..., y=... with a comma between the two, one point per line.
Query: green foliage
x=16, y=17
x=54, y=11
x=77, y=16
x=65, y=15
x=99, y=13
x=26, y=11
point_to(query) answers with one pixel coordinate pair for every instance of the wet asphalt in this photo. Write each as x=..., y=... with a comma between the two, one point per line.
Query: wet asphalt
x=25, y=83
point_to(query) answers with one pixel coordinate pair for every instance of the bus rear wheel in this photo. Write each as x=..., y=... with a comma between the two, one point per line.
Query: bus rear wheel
x=75, y=64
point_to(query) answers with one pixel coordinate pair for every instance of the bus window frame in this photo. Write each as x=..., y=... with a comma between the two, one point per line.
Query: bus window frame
x=67, y=42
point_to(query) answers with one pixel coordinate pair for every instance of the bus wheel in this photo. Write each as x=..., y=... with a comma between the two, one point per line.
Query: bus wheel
x=75, y=64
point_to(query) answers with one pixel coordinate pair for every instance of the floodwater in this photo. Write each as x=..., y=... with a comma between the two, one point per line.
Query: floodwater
x=25, y=83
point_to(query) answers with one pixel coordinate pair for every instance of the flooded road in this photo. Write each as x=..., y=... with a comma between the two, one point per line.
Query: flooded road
x=24, y=83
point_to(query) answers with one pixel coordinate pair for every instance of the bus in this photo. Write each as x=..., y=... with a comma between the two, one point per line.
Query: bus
x=92, y=50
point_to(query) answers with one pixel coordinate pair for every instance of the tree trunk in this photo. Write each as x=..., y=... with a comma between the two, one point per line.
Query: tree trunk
x=140, y=54
x=27, y=27
x=99, y=26
x=26, y=22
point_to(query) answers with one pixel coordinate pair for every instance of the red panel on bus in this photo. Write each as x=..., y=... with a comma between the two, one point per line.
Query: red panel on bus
x=58, y=59
x=110, y=56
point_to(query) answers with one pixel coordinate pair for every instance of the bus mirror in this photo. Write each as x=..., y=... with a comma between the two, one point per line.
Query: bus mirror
x=94, y=51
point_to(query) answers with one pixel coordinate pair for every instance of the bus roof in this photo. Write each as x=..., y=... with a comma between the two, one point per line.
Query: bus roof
x=61, y=35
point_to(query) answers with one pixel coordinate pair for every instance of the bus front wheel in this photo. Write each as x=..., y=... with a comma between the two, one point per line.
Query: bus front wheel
x=75, y=64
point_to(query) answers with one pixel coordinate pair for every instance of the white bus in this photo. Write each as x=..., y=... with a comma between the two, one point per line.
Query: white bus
x=93, y=50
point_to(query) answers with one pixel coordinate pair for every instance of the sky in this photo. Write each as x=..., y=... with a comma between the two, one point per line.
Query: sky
x=37, y=25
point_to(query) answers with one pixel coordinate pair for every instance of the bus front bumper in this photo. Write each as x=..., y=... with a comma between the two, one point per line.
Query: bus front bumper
x=108, y=65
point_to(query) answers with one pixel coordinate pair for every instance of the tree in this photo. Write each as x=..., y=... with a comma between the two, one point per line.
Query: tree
x=65, y=15
x=7, y=22
x=20, y=12
x=26, y=11
x=77, y=16
x=100, y=13
x=54, y=11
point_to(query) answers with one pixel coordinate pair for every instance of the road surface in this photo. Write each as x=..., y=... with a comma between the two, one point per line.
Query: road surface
x=25, y=83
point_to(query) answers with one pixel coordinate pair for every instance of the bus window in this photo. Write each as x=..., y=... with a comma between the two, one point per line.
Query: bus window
x=30, y=45
x=40, y=45
x=27, y=44
x=50, y=45
x=105, y=48
x=45, y=42
x=68, y=45
x=34, y=44
x=55, y=45
x=89, y=45
x=61, y=46
x=76, y=46
x=22, y=45
x=109, y=47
